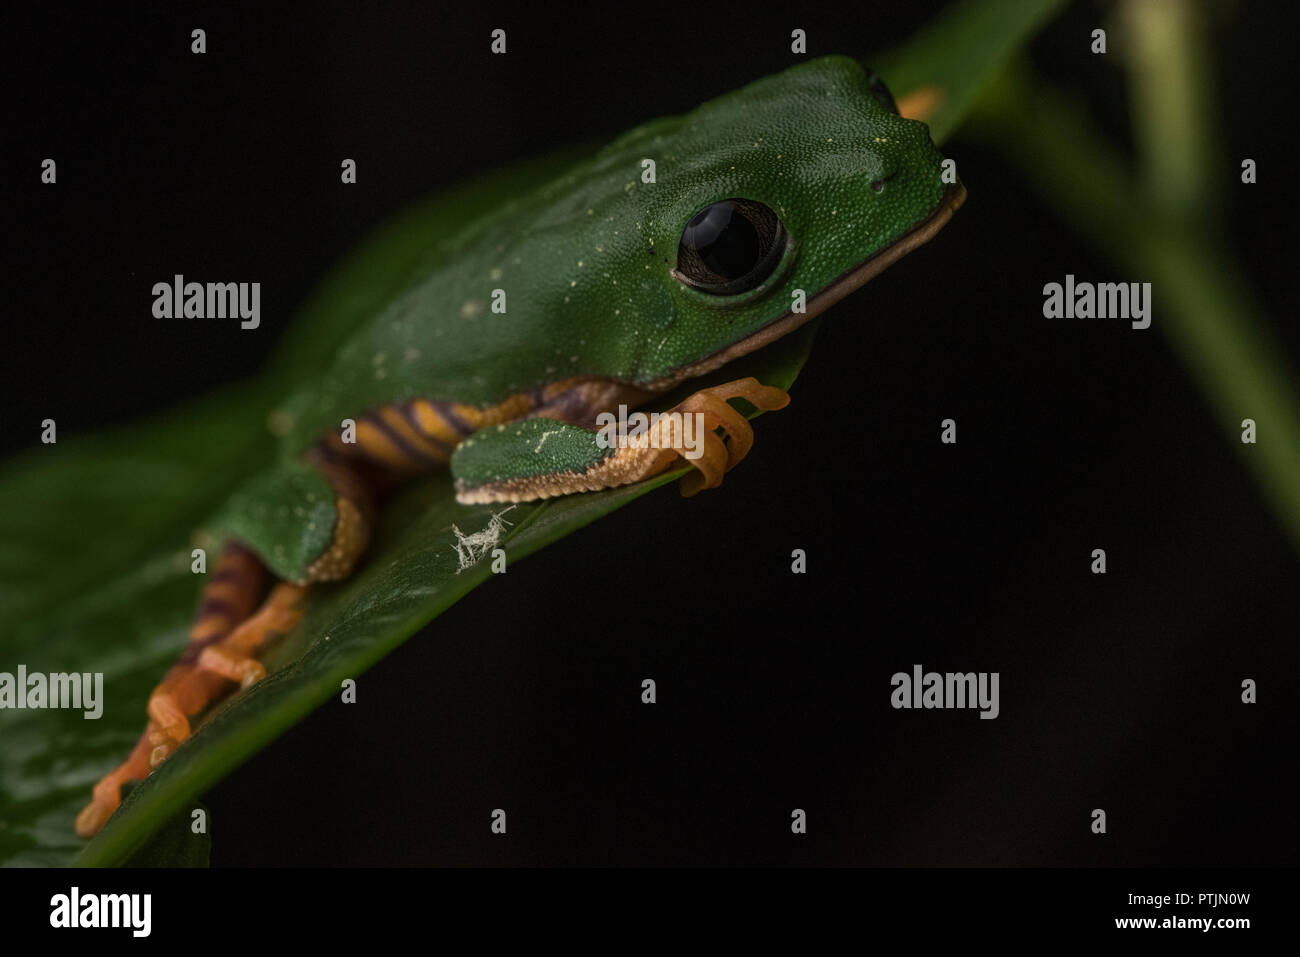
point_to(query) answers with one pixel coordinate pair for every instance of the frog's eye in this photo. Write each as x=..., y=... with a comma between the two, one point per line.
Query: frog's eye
x=881, y=92
x=730, y=247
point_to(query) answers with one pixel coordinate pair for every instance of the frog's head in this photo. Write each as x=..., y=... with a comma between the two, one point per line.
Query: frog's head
x=807, y=180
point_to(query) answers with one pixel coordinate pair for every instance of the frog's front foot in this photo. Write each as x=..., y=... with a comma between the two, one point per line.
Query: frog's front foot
x=540, y=458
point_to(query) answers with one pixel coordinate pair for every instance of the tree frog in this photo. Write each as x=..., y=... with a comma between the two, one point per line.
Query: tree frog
x=685, y=243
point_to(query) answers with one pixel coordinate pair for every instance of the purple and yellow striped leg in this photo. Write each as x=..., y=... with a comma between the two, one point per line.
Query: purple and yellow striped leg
x=228, y=598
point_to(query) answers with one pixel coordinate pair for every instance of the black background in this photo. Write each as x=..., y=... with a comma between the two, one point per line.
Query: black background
x=1118, y=691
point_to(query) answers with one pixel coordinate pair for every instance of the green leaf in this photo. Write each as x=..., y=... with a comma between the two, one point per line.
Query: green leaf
x=960, y=52
x=94, y=554
x=176, y=844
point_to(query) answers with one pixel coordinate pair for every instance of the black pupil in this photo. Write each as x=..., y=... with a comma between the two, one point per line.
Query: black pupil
x=726, y=242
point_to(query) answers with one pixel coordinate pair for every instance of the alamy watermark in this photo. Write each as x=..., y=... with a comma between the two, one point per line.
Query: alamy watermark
x=1102, y=300
x=683, y=431
x=179, y=299
x=75, y=909
x=930, y=689
x=78, y=690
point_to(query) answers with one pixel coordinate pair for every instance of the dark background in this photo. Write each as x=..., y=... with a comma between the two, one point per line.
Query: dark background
x=1118, y=691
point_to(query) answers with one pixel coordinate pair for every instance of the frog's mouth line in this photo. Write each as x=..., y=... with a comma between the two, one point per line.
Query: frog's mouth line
x=850, y=282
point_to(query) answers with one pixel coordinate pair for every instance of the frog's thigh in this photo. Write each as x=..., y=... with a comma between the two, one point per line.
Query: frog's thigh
x=307, y=520
x=541, y=458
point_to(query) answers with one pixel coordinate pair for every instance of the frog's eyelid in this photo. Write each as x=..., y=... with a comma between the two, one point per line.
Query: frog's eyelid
x=880, y=91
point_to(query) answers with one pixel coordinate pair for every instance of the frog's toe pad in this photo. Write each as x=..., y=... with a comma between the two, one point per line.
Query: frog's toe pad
x=247, y=671
x=107, y=794
x=168, y=724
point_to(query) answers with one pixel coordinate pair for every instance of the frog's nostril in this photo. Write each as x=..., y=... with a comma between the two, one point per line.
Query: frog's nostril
x=879, y=184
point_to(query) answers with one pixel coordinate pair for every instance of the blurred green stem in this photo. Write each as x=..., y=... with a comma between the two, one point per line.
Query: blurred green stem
x=1201, y=300
x=1163, y=42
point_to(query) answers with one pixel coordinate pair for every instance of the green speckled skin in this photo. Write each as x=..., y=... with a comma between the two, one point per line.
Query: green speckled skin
x=585, y=261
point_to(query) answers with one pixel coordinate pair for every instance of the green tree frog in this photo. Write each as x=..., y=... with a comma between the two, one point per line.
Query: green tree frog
x=682, y=245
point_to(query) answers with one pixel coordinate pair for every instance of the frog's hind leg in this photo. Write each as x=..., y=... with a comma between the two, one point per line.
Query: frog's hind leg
x=195, y=683
x=202, y=675
x=230, y=630
x=230, y=652
x=229, y=597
